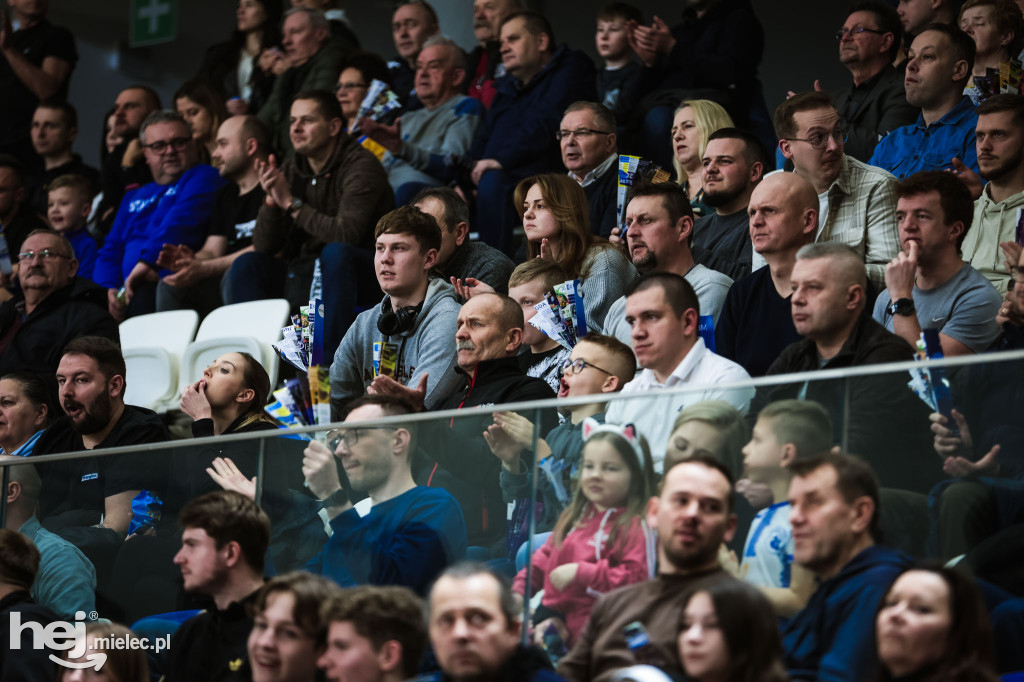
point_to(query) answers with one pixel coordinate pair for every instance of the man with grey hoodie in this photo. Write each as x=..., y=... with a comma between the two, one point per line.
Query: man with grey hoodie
x=403, y=346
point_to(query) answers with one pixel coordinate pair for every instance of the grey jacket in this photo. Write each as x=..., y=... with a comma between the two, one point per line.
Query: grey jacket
x=429, y=348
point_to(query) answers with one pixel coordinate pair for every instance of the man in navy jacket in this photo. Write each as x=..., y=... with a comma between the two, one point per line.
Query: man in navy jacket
x=835, y=519
x=518, y=136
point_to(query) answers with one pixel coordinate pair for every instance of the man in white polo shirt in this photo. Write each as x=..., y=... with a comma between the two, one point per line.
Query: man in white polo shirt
x=663, y=312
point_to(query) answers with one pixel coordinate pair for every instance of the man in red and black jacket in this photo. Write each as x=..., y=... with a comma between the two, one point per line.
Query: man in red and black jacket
x=488, y=335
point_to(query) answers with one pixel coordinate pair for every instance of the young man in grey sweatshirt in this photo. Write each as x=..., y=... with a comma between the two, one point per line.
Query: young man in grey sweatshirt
x=404, y=345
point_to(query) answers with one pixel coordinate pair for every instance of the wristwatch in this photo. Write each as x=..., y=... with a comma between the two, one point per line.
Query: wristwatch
x=902, y=306
x=295, y=205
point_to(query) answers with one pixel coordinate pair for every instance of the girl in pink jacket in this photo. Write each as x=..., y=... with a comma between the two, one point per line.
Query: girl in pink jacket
x=601, y=541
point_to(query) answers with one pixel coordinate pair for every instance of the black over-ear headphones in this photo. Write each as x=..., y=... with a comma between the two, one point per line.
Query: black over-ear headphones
x=392, y=322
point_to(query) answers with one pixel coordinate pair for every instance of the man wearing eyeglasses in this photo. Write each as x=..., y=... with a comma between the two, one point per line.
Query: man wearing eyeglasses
x=857, y=202
x=173, y=209
x=55, y=307
x=590, y=152
x=875, y=103
x=938, y=69
x=399, y=533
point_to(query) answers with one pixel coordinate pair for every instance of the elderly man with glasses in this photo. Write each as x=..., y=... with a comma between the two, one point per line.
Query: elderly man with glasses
x=54, y=308
x=874, y=103
x=173, y=209
x=590, y=152
x=397, y=532
x=857, y=202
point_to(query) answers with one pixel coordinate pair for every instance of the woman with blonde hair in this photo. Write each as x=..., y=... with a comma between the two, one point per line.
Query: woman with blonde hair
x=692, y=125
x=556, y=219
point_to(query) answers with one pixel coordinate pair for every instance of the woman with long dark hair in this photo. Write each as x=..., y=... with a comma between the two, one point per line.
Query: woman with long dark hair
x=233, y=66
x=932, y=626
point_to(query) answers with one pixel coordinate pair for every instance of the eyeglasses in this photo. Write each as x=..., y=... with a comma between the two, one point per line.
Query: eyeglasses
x=854, y=32
x=350, y=86
x=45, y=254
x=160, y=146
x=351, y=436
x=820, y=140
x=579, y=132
x=576, y=366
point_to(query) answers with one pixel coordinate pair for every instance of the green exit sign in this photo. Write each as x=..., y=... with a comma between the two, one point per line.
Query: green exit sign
x=153, y=21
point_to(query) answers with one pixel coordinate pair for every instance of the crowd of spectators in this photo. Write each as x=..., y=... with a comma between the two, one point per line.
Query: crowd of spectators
x=788, y=530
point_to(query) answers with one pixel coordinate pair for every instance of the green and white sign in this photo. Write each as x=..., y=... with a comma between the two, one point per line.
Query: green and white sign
x=153, y=22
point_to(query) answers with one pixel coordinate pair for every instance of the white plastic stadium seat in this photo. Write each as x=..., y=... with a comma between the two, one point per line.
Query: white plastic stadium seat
x=243, y=327
x=153, y=346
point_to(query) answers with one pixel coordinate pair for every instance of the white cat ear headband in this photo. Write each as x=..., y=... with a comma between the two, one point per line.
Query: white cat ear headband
x=626, y=431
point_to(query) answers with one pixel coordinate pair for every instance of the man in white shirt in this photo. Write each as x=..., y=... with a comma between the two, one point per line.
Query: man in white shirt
x=664, y=314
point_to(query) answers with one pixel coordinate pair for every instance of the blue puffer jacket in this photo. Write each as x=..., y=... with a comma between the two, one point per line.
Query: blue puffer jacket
x=519, y=131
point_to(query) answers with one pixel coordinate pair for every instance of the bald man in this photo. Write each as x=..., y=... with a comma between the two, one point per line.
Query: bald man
x=488, y=335
x=783, y=216
x=873, y=415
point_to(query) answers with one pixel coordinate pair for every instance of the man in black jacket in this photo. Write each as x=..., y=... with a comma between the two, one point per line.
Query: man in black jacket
x=57, y=307
x=875, y=103
x=221, y=557
x=875, y=416
x=488, y=335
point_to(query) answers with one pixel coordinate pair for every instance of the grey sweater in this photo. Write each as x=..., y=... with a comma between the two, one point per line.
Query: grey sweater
x=431, y=139
x=428, y=348
x=607, y=276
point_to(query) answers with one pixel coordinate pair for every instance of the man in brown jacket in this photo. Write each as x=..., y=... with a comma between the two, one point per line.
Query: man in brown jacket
x=322, y=204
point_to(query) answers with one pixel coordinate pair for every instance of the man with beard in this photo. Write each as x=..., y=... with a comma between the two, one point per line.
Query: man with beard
x=198, y=279
x=400, y=533
x=222, y=548
x=857, y=202
x=694, y=516
x=991, y=244
x=55, y=307
x=89, y=501
x=659, y=223
x=835, y=518
x=733, y=165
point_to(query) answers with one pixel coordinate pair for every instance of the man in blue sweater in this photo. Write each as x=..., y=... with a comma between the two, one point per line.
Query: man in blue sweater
x=173, y=209
x=835, y=517
x=402, y=533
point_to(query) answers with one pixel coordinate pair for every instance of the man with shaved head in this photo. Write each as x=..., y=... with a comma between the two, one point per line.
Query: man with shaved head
x=783, y=214
x=871, y=414
x=488, y=334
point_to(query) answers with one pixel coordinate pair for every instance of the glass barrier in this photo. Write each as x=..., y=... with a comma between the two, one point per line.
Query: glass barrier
x=396, y=499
